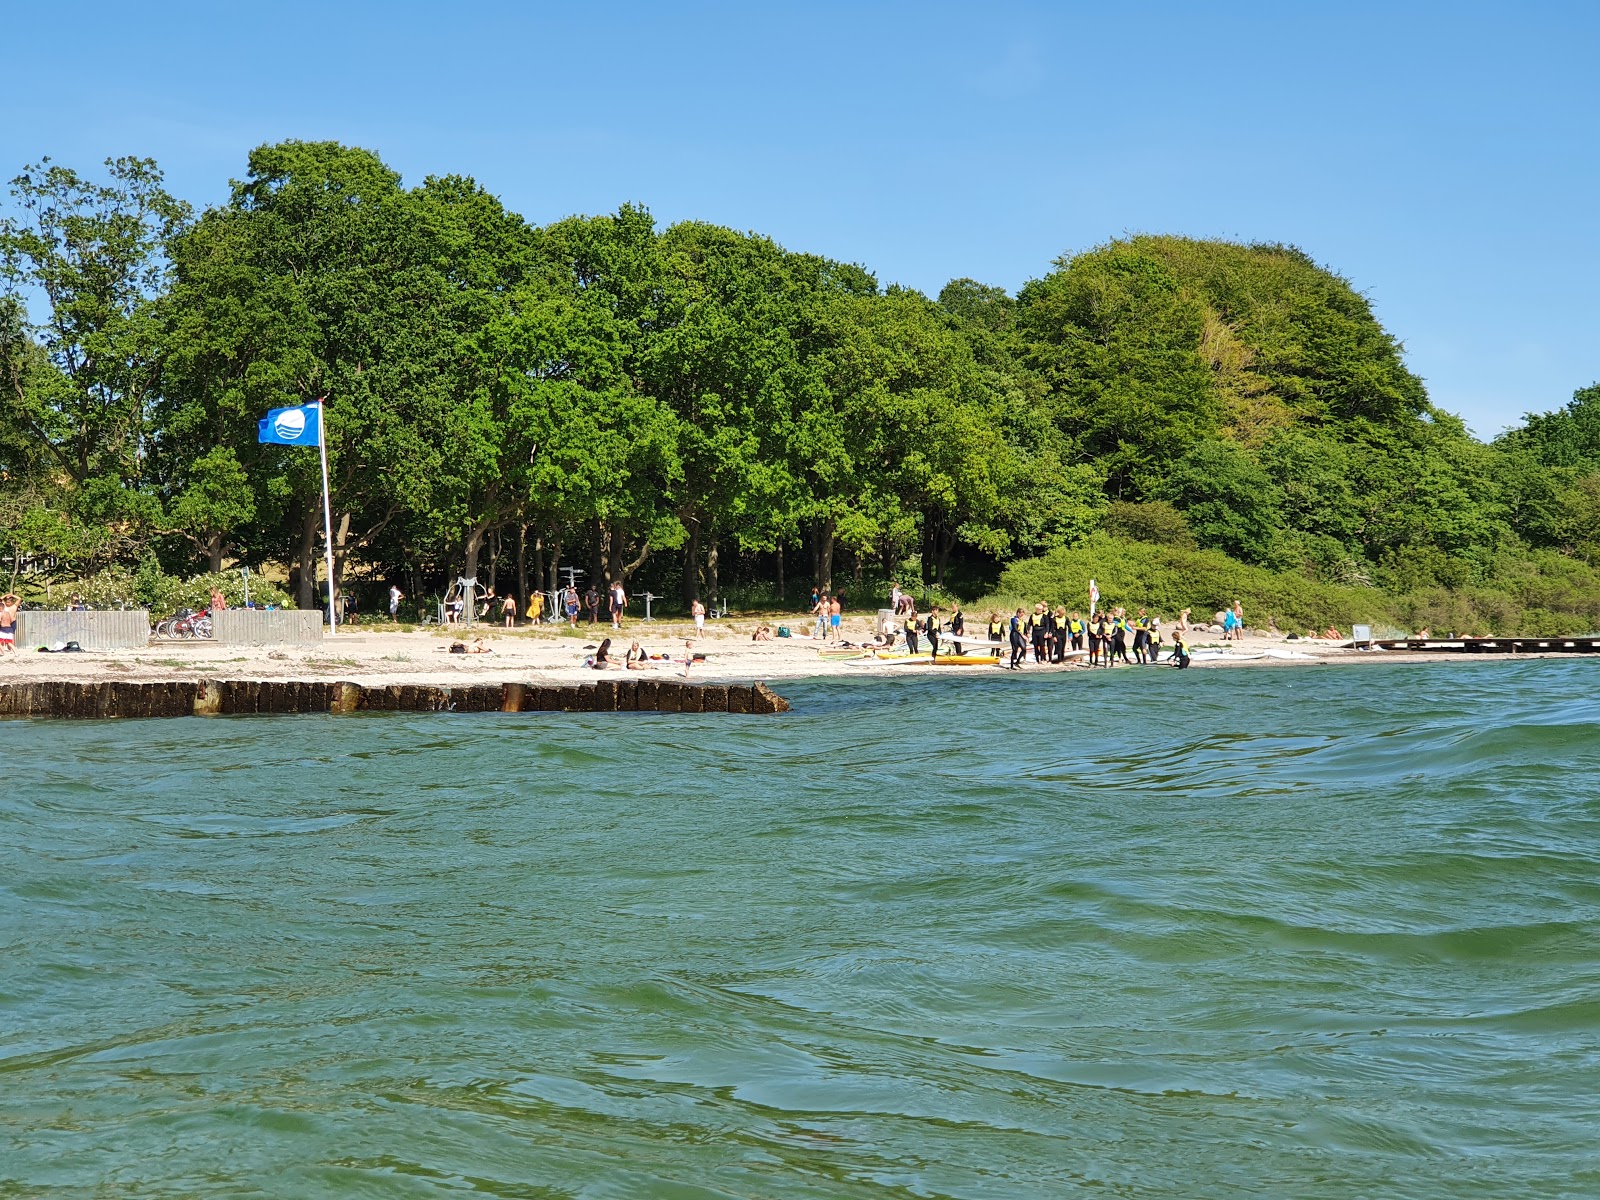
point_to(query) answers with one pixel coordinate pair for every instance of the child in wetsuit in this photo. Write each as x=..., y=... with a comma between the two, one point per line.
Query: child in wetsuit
x=1019, y=645
x=910, y=628
x=931, y=629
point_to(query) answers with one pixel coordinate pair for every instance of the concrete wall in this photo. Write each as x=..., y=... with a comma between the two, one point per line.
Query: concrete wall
x=267, y=627
x=123, y=630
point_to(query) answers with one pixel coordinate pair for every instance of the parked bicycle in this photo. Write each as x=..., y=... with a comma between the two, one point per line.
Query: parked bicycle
x=184, y=625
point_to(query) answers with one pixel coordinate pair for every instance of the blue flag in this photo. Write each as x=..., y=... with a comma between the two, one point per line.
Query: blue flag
x=301, y=426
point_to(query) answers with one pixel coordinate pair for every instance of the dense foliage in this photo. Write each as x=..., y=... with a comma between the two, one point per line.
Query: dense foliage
x=696, y=409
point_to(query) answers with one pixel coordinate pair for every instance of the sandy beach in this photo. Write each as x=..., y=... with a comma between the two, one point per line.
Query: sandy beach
x=379, y=654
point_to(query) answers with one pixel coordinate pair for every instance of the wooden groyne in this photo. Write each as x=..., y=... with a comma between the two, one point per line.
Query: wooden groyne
x=229, y=697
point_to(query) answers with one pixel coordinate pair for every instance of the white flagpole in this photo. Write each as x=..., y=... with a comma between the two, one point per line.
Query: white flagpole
x=327, y=510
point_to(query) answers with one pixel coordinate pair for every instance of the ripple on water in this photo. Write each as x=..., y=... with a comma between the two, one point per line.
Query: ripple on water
x=1276, y=933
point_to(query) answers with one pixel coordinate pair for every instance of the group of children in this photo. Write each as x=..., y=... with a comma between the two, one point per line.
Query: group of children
x=1051, y=635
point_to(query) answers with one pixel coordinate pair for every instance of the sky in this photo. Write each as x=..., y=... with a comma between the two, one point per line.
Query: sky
x=1443, y=157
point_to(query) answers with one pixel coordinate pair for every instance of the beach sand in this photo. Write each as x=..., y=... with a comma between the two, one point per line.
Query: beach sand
x=378, y=654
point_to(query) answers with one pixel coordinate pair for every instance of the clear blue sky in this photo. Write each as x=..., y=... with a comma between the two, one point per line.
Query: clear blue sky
x=1444, y=157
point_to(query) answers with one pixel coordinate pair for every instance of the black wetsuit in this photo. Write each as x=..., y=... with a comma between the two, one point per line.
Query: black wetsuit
x=931, y=628
x=910, y=627
x=1019, y=647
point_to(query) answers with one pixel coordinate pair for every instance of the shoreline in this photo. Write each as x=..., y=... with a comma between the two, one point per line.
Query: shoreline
x=379, y=656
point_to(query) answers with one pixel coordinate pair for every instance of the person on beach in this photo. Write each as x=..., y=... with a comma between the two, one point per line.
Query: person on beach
x=1075, y=630
x=688, y=647
x=1101, y=636
x=218, y=601
x=997, y=632
x=602, y=657
x=1238, y=621
x=1119, y=637
x=698, y=611
x=395, y=596
x=931, y=628
x=958, y=625
x=8, y=623
x=1019, y=642
x=1183, y=621
x=569, y=602
x=619, y=602
x=1034, y=631
x=1141, y=637
x=836, y=617
x=895, y=596
x=636, y=659
x=591, y=605
x=819, y=610
x=1155, y=640
x=908, y=626
x=1180, y=652
x=508, y=609
x=1058, y=635
x=1228, y=625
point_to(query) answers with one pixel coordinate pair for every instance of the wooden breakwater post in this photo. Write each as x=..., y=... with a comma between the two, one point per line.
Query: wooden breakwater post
x=231, y=697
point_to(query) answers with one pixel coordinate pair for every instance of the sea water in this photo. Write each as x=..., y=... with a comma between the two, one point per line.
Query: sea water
x=1293, y=932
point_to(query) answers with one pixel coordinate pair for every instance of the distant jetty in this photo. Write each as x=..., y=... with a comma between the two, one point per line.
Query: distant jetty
x=239, y=697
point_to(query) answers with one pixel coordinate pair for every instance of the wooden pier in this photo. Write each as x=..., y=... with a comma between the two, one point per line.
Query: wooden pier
x=1513, y=645
x=231, y=697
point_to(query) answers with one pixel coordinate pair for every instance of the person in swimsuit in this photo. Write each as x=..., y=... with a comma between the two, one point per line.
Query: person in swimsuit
x=836, y=617
x=508, y=606
x=8, y=623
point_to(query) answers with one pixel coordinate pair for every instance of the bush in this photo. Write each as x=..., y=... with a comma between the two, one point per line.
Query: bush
x=1167, y=579
x=164, y=594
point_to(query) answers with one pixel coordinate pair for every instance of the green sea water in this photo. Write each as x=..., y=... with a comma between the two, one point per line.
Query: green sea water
x=1298, y=932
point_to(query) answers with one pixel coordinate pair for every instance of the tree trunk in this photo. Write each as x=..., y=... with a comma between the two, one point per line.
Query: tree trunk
x=691, y=565
x=341, y=542
x=494, y=557
x=214, y=546
x=780, y=572
x=306, y=557
x=822, y=551
x=522, y=569
x=947, y=541
x=553, y=583
x=597, y=555
x=712, y=584
x=473, y=547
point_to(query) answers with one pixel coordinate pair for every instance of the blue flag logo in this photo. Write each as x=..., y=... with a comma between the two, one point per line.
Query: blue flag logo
x=301, y=426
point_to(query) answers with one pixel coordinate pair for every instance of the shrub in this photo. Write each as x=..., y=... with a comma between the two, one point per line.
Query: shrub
x=1167, y=579
x=165, y=594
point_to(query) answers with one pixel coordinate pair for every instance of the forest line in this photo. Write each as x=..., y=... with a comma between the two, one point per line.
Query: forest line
x=700, y=410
